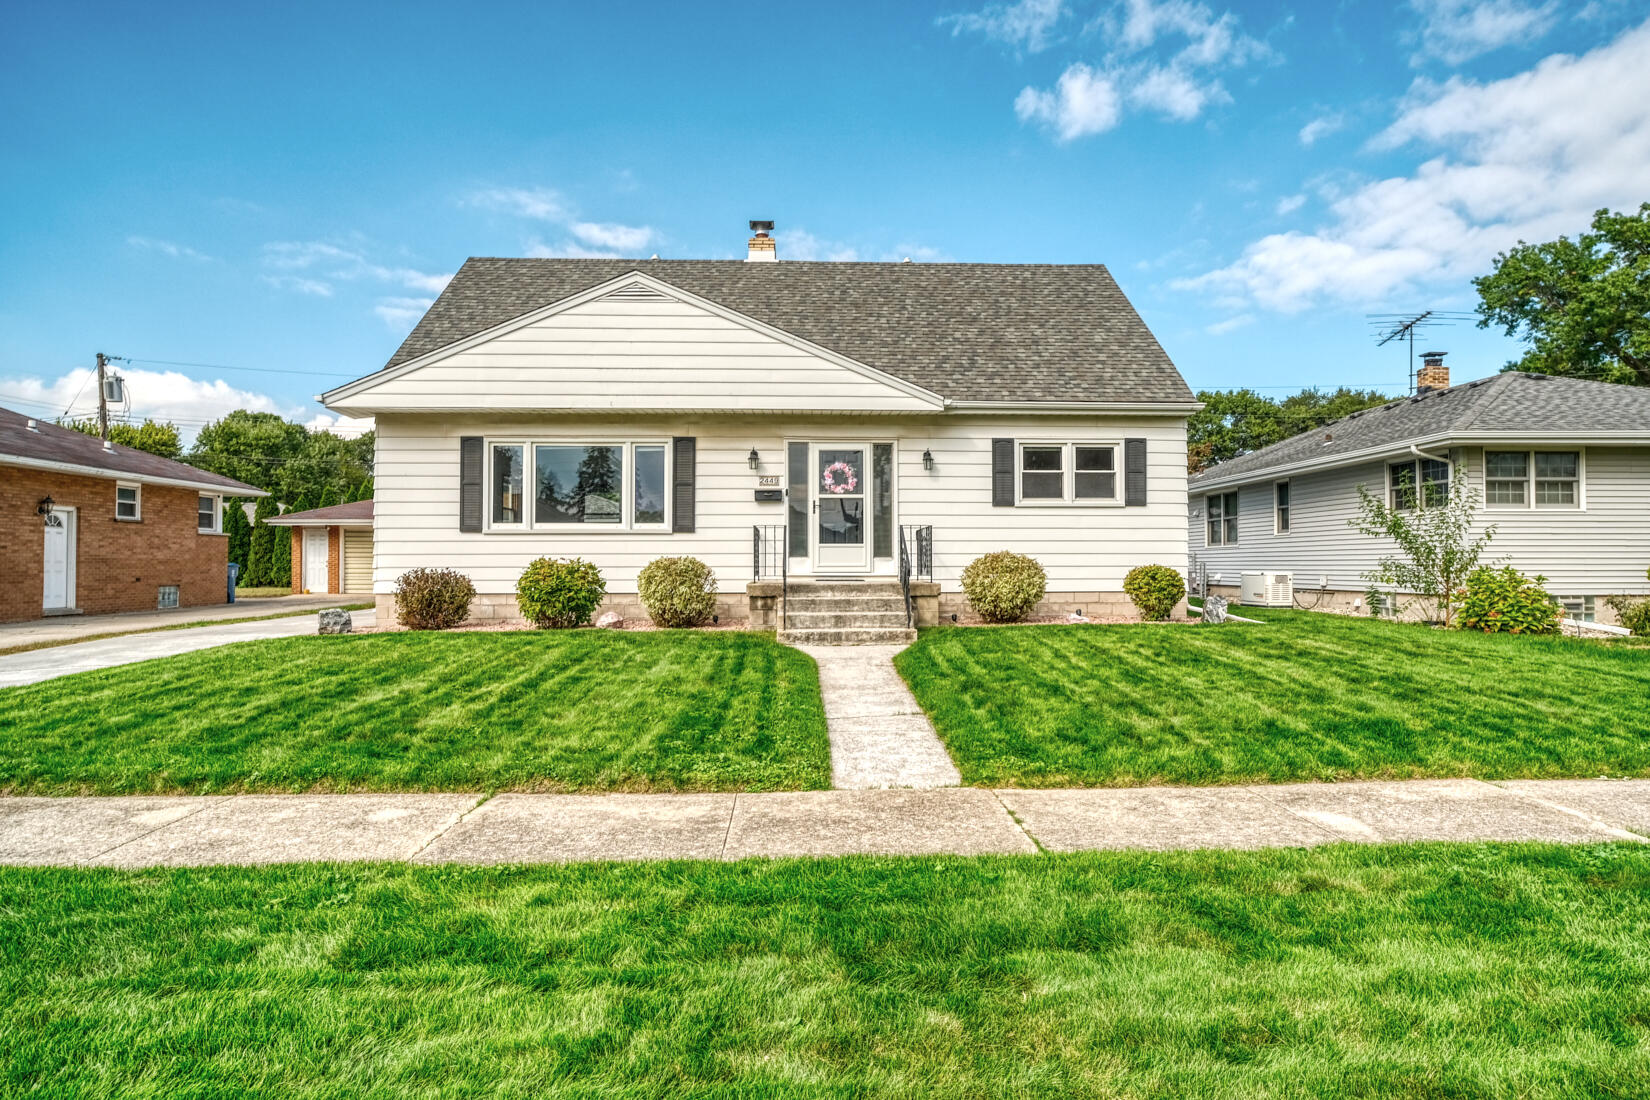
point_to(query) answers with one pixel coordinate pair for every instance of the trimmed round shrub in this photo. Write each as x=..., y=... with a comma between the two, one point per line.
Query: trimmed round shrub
x=560, y=592
x=1505, y=601
x=677, y=591
x=1155, y=589
x=432, y=599
x=1003, y=587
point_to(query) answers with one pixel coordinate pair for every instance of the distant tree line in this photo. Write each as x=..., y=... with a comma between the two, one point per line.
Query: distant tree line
x=1235, y=422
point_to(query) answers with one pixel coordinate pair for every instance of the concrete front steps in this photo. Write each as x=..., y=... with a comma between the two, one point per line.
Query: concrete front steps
x=845, y=613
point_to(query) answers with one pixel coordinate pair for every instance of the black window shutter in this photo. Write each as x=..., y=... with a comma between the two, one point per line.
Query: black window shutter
x=683, y=447
x=1134, y=471
x=469, y=483
x=1002, y=473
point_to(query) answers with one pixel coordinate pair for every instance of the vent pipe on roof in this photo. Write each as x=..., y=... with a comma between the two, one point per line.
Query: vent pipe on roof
x=33, y=427
x=761, y=248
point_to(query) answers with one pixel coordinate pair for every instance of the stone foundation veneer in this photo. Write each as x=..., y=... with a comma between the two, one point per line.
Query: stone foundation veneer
x=1346, y=602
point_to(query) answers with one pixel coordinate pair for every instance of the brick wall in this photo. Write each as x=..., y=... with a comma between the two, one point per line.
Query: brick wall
x=119, y=565
x=335, y=560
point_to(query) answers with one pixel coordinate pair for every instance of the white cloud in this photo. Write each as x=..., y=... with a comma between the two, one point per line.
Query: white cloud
x=167, y=248
x=540, y=203
x=1528, y=157
x=1163, y=58
x=1023, y=25
x=1454, y=31
x=799, y=244
x=1221, y=328
x=165, y=395
x=622, y=238
x=1321, y=127
x=348, y=427
x=324, y=264
x=402, y=313
x=300, y=284
x=567, y=250
x=1291, y=203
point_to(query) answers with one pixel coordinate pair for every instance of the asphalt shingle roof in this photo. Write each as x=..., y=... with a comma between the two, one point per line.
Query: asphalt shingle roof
x=50, y=443
x=1511, y=402
x=983, y=332
x=359, y=511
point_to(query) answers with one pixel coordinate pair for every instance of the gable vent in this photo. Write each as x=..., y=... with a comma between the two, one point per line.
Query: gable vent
x=636, y=292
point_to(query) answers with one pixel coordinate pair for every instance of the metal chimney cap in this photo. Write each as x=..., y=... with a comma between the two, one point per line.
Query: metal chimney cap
x=761, y=226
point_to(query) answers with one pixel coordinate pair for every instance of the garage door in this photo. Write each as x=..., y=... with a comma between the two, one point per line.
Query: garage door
x=357, y=560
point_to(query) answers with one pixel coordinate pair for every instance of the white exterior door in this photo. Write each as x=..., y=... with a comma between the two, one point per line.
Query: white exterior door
x=841, y=516
x=315, y=559
x=59, y=560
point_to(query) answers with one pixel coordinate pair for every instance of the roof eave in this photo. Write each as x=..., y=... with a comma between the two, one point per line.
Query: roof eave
x=237, y=490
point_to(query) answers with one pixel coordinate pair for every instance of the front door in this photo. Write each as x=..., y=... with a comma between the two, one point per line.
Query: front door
x=841, y=534
x=315, y=559
x=59, y=560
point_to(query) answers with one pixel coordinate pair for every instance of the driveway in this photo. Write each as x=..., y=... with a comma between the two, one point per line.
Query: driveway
x=43, y=664
x=65, y=628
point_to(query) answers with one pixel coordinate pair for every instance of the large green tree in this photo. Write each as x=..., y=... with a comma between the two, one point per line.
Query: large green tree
x=152, y=435
x=250, y=447
x=1235, y=422
x=326, y=461
x=1583, y=306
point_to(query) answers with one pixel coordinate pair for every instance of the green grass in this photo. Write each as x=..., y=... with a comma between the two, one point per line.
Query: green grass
x=575, y=710
x=264, y=593
x=53, y=643
x=1417, y=971
x=1304, y=697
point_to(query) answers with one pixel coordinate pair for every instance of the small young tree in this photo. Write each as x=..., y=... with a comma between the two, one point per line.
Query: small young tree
x=261, y=556
x=1436, y=545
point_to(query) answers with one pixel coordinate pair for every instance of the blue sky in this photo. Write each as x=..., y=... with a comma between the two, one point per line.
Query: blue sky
x=281, y=189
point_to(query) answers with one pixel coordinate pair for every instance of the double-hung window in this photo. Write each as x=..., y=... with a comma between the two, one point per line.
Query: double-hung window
x=1532, y=479
x=128, y=502
x=206, y=513
x=1280, y=508
x=1222, y=509
x=553, y=485
x=1424, y=481
x=1068, y=473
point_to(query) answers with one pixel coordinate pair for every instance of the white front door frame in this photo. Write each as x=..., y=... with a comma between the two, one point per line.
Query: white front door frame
x=830, y=510
x=315, y=559
x=57, y=565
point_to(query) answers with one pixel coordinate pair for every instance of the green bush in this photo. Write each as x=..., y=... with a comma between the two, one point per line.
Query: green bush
x=677, y=591
x=1634, y=614
x=432, y=599
x=1505, y=601
x=1003, y=587
x=1155, y=589
x=560, y=592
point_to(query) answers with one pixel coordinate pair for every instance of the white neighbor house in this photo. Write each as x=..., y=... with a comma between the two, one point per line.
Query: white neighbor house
x=777, y=418
x=1561, y=467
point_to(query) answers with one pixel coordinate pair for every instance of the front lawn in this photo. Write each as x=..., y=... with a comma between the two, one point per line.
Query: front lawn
x=1303, y=697
x=1435, y=970
x=578, y=710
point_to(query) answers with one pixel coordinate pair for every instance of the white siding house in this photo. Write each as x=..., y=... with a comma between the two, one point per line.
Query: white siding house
x=776, y=419
x=1572, y=502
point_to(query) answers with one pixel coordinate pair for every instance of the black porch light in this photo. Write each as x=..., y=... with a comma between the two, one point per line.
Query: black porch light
x=927, y=459
x=45, y=506
x=753, y=458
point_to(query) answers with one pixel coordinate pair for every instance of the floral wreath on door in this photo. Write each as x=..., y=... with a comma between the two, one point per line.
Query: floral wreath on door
x=848, y=483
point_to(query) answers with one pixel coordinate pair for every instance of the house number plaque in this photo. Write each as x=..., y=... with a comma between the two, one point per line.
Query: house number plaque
x=768, y=481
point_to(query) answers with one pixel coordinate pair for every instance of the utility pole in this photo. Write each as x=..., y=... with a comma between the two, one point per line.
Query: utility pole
x=102, y=401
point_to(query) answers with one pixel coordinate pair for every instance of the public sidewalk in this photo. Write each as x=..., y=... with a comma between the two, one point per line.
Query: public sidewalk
x=69, y=628
x=533, y=828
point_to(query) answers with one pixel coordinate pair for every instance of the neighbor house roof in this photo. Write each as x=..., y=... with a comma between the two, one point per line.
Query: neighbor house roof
x=355, y=514
x=46, y=446
x=1511, y=404
x=968, y=332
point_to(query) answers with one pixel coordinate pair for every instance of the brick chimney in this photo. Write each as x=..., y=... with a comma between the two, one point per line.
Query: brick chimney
x=761, y=243
x=1433, y=375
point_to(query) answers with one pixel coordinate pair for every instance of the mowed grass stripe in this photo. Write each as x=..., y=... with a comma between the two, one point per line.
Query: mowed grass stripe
x=1303, y=697
x=576, y=711
x=1425, y=970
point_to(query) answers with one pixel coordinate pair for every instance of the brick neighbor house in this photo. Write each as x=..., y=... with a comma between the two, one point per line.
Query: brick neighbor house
x=88, y=527
x=331, y=548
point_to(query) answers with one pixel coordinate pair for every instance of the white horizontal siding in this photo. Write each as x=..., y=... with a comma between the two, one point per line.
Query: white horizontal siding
x=1603, y=549
x=634, y=354
x=1086, y=548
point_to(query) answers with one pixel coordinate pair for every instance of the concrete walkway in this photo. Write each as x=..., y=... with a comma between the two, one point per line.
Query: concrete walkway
x=44, y=664
x=527, y=828
x=879, y=735
x=68, y=628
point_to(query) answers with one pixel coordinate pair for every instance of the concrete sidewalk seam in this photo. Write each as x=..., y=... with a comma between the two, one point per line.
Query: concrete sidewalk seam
x=218, y=800
x=1602, y=826
x=1018, y=824
x=449, y=826
x=733, y=811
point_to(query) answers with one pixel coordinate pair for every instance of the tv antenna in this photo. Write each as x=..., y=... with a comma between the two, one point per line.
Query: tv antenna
x=1388, y=327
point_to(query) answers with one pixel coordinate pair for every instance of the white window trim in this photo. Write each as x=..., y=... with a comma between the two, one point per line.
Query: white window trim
x=1530, y=479
x=1420, y=496
x=1277, y=512
x=529, y=474
x=217, y=514
x=137, y=504
x=1068, y=474
x=1223, y=517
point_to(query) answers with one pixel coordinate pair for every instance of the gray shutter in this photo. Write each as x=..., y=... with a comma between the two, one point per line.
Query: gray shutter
x=683, y=448
x=1002, y=473
x=470, y=462
x=1134, y=471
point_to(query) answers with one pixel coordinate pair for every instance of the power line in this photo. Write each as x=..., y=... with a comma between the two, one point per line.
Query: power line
x=253, y=370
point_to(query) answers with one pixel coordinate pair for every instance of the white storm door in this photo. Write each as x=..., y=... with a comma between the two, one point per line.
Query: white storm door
x=59, y=560
x=315, y=559
x=841, y=518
